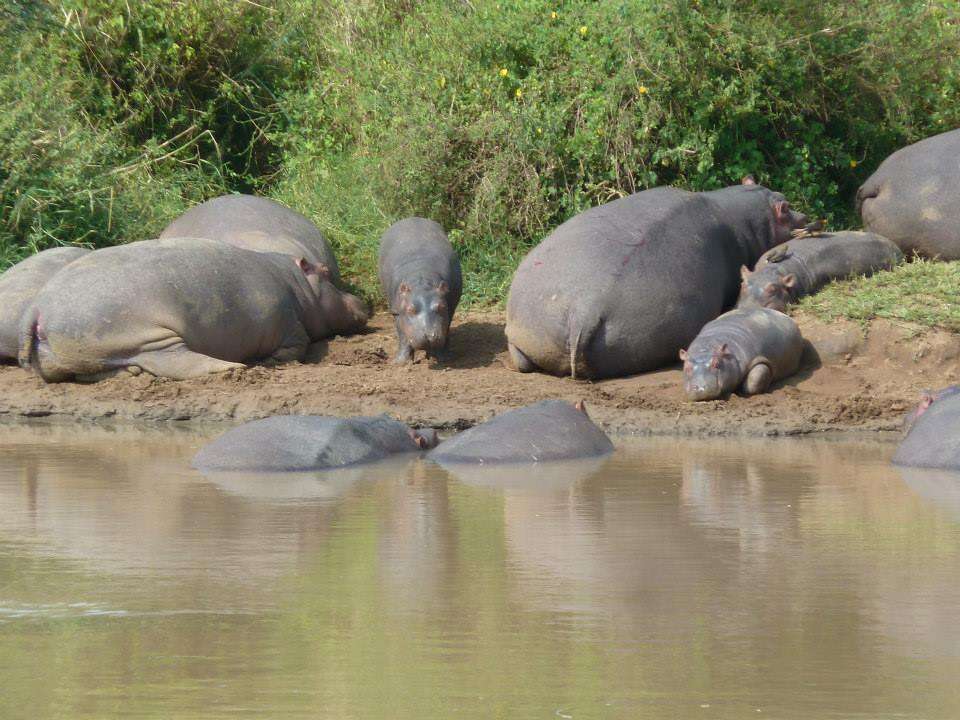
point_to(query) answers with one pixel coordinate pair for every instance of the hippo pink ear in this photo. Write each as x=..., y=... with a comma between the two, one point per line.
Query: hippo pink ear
x=404, y=289
x=781, y=211
x=304, y=265
x=310, y=268
x=744, y=272
x=789, y=280
x=748, y=180
x=443, y=287
x=322, y=270
x=683, y=355
x=581, y=406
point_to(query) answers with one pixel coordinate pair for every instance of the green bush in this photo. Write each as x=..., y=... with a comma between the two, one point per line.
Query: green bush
x=500, y=120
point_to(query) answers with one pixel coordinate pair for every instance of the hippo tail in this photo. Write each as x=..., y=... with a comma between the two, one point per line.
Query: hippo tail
x=579, y=334
x=27, y=350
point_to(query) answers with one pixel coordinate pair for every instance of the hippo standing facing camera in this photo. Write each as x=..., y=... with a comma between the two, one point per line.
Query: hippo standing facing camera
x=914, y=197
x=933, y=432
x=20, y=284
x=421, y=279
x=180, y=308
x=620, y=288
x=259, y=224
x=786, y=273
x=741, y=349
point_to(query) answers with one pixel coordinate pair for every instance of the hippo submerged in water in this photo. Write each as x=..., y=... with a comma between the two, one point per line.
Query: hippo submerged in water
x=299, y=443
x=914, y=197
x=258, y=224
x=741, y=349
x=20, y=284
x=801, y=267
x=421, y=279
x=620, y=288
x=933, y=432
x=549, y=430
x=180, y=308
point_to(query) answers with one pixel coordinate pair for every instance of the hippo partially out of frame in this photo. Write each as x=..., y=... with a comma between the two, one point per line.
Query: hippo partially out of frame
x=20, y=284
x=620, y=288
x=179, y=308
x=914, y=197
x=421, y=279
x=933, y=434
x=259, y=224
x=786, y=273
x=547, y=431
x=301, y=443
x=742, y=350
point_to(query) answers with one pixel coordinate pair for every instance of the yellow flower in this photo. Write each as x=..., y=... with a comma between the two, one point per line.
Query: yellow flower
x=853, y=163
x=442, y=82
x=519, y=93
x=583, y=29
x=642, y=89
x=504, y=72
x=539, y=131
x=553, y=15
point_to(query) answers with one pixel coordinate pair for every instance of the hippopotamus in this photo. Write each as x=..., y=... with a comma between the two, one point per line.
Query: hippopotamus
x=745, y=349
x=421, y=279
x=259, y=224
x=933, y=435
x=18, y=286
x=620, y=288
x=179, y=308
x=801, y=267
x=914, y=197
x=548, y=430
x=299, y=443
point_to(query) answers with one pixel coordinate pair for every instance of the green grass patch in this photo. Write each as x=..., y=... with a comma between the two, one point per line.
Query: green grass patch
x=924, y=292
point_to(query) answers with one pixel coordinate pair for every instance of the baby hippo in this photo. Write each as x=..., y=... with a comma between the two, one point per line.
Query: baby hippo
x=420, y=277
x=745, y=349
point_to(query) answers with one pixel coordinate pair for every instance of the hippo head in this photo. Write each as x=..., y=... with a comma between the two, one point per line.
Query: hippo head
x=710, y=374
x=760, y=291
x=783, y=218
x=425, y=438
x=344, y=313
x=423, y=316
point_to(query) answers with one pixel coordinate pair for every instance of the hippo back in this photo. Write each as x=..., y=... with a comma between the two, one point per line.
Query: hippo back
x=934, y=437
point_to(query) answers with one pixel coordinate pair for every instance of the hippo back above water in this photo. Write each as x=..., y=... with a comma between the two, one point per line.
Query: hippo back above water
x=20, y=284
x=914, y=197
x=933, y=433
x=620, y=288
x=259, y=224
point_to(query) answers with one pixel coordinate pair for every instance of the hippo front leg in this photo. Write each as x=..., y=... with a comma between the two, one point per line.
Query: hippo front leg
x=405, y=350
x=180, y=363
x=521, y=363
x=758, y=380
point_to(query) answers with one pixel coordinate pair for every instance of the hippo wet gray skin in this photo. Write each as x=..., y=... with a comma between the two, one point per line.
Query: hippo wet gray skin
x=295, y=443
x=180, y=308
x=549, y=430
x=927, y=398
x=620, y=288
x=933, y=436
x=258, y=224
x=914, y=197
x=20, y=284
x=421, y=279
x=801, y=267
x=741, y=349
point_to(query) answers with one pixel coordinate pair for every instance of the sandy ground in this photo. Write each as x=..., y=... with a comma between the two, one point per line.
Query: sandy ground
x=853, y=379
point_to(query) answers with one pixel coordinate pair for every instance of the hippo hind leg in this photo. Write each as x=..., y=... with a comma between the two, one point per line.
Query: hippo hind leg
x=758, y=380
x=180, y=363
x=521, y=363
x=294, y=348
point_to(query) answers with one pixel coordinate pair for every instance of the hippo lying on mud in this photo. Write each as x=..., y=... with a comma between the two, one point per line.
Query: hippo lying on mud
x=801, y=267
x=741, y=349
x=620, y=288
x=914, y=197
x=20, y=284
x=549, y=430
x=180, y=308
x=258, y=224
x=933, y=432
x=421, y=279
x=295, y=443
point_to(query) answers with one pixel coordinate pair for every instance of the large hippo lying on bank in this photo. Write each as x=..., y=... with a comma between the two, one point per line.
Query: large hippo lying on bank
x=258, y=224
x=295, y=443
x=20, y=284
x=421, y=279
x=933, y=435
x=786, y=273
x=180, y=308
x=549, y=430
x=620, y=288
x=741, y=349
x=914, y=197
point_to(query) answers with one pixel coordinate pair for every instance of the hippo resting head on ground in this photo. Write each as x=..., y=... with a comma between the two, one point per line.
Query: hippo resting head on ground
x=421, y=279
x=20, y=284
x=801, y=267
x=259, y=224
x=933, y=432
x=914, y=197
x=300, y=443
x=549, y=430
x=180, y=308
x=741, y=349
x=620, y=288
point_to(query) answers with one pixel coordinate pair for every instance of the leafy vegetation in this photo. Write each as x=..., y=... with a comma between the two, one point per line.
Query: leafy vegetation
x=498, y=119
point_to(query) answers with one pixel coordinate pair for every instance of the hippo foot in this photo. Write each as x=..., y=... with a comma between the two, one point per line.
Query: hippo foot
x=404, y=355
x=757, y=381
x=521, y=363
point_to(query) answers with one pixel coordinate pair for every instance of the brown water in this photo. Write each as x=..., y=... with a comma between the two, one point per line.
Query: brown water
x=679, y=579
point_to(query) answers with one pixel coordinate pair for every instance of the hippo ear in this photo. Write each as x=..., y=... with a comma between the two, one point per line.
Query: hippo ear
x=404, y=289
x=322, y=270
x=304, y=265
x=581, y=406
x=744, y=272
x=419, y=441
x=748, y=180
x=789, y=280
x=443, y=287
x=683, y=355
x=781, y=210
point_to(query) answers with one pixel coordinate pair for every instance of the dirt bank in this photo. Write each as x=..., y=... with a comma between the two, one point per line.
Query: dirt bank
x=854, y=380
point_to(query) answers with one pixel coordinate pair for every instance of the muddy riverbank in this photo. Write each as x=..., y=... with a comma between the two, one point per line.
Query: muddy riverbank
x=854, y=379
